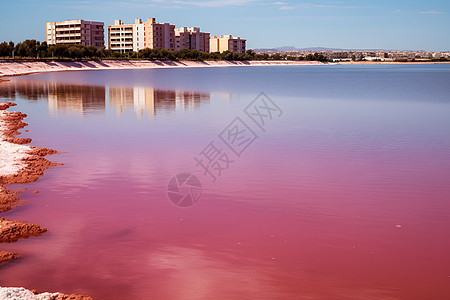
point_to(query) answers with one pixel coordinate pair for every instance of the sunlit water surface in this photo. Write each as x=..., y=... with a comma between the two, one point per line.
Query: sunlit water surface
x=344, y=194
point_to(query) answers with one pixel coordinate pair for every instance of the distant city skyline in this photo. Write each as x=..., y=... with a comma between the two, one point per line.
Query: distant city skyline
x=348, y=24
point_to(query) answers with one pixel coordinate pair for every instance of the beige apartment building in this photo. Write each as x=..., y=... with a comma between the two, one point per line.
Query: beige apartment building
x=227, y=42
x=82, y=32
x=191, y=38
x=126, y=37
x=141, y=35
x=158, y=35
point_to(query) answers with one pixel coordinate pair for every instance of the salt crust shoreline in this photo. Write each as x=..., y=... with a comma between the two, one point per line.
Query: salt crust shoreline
x=20, y=163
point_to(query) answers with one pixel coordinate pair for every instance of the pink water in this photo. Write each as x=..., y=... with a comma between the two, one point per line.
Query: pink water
x=345, y=196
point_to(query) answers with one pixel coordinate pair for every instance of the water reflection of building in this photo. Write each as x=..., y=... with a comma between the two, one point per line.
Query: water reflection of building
x=80, y=98
x=59, y=96
x=153, y=100
x=29, y=89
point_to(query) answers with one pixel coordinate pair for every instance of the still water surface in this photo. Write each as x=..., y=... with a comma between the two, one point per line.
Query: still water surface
x=346, y=195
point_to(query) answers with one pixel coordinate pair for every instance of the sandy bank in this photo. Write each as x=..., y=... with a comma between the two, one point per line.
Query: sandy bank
x=15, y=68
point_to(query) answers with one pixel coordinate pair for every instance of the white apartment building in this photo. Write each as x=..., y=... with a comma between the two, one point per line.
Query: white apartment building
x=126, y=37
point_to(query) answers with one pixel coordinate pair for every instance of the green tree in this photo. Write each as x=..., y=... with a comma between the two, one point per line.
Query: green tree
x=22, y=50
x=76, y=52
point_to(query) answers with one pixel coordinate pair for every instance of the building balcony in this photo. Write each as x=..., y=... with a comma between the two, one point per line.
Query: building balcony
x=121, y=40
x=68, y=35
x=67, y=28
x=114, y=47
x=68, y=41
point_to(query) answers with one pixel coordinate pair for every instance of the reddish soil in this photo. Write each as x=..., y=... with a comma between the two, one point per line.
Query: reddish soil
x=8, y=199
x=11, y=231
x=59, y=296
x=37, y=164
x=4, y=106
x=6, y=256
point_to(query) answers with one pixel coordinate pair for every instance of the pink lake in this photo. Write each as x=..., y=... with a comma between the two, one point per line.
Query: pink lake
x=345, y=195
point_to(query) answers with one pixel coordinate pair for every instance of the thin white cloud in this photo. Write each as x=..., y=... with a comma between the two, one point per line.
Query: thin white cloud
x=315, y=5
x=214, y=3
x=399, y=11
x=287, y=7
x=433, y=12
x=84, y=4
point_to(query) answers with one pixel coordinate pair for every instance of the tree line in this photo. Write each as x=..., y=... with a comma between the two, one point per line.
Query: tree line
x=32, y=49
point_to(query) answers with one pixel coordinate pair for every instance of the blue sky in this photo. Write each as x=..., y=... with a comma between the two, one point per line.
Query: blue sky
x=388, y=24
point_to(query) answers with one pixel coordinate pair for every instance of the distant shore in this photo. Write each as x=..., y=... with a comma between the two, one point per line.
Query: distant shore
x=367, y=62
x=18, y=68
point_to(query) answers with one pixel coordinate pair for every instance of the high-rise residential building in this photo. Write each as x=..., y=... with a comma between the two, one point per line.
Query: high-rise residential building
x=158, y=35
x=191, y=38
x=82, y=32
x=227, y=42
x=126, y=37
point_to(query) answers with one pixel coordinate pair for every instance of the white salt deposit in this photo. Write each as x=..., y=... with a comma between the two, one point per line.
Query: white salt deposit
x=18, y=293
x=11, y=155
